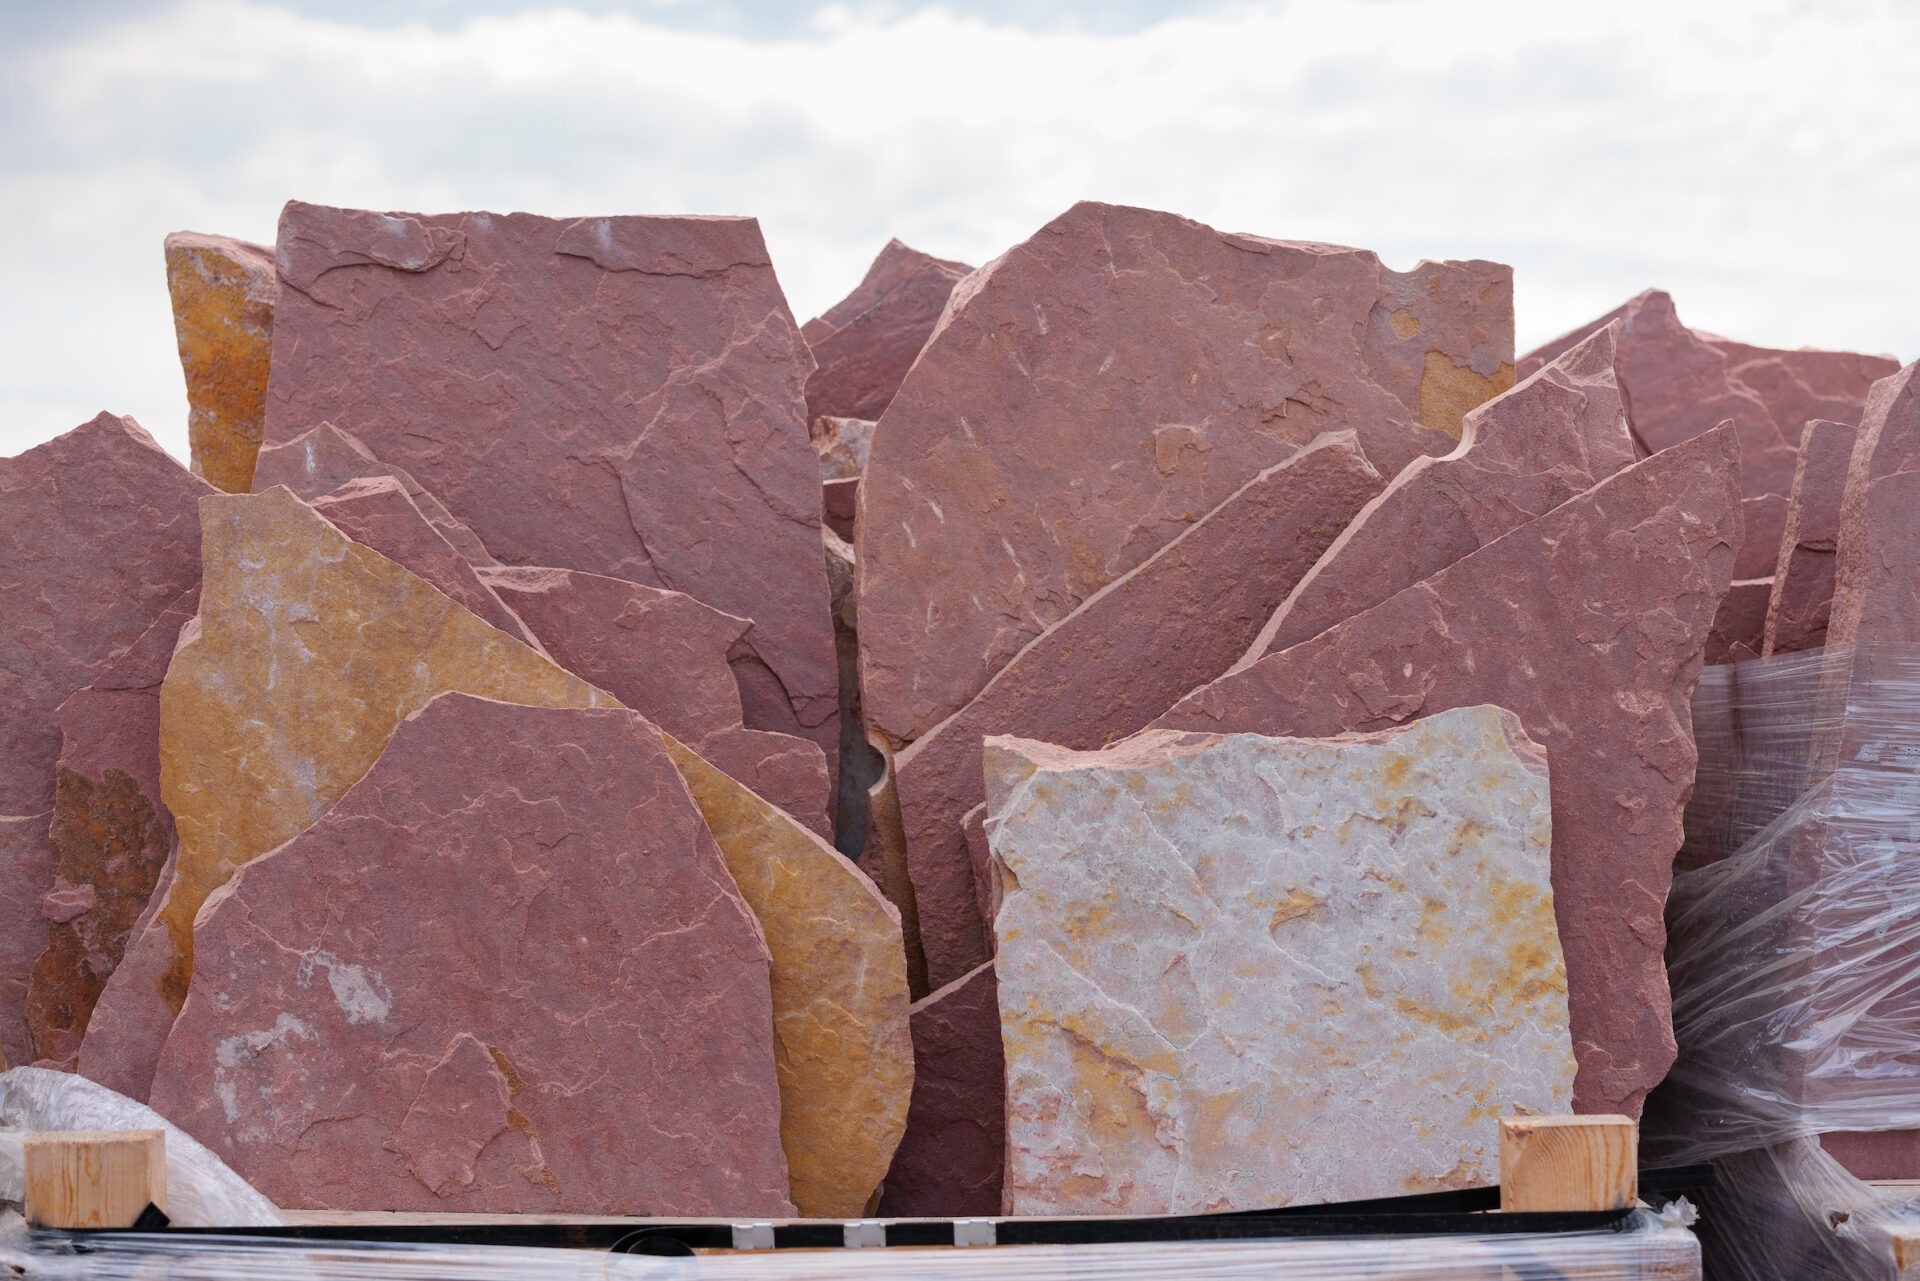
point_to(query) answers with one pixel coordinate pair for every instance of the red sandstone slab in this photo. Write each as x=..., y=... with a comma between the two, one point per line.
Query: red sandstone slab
x=1876, y=587
x=574, y=1020
x=664, y=654
x=841, y=499
x=621, y=396
x=878, y=332
x=1740, y=624
x=1125, y=656
x=1803, y=577
x=1522, y=454
x=1588, y=624
x=950, y=1161
x=1097, y=388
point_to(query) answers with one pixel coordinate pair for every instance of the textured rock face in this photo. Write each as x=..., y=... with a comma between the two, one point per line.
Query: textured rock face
x=1239, y=971
x=1799, y=386
x=470, y=1027
x=111, y=833
x=1740, y=624
x=1803, y=577
x=572, y=390
x=1125, y=656
x=841, y=500
x=322, y=460
x=308, y=651
x=1876, y=588
x=224, y=293
x=99, y=533
x=877, y=332
x=840, y=1000
x=664, y=654
x=1588, y=624
x=842, y=444
x=1521, y=455
x=376, y=512
x=1114, y=378
x=952, y=1157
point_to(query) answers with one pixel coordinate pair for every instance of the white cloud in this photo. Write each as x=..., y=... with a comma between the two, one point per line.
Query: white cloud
x=1764, y=169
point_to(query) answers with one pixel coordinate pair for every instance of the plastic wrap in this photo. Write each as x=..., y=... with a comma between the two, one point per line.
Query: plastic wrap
x=1650, y=1250
x=201, y=1190
x=1794, y=932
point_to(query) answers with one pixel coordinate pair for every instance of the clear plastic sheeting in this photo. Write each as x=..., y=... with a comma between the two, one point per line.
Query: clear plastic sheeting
x=1649, y=1249
x=1794, y=932
x=201, y=1190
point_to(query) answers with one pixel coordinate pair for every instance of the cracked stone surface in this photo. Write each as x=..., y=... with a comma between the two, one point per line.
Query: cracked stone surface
x=1239, y=971
x=876, y=332
x=1588, y=624
x=1099, y=387
x=112, y=836
x=953, y=1154
x=99, y=534
x=1876, y=589
x=1803, y=576
x=664, y=654
x=842, y=444
x=1521, y=454
x=320, y=461
x=224, y=292
x=535, y=987
x=622, y=396
x=840, y=999
x=308, y=651
x=1130, y=652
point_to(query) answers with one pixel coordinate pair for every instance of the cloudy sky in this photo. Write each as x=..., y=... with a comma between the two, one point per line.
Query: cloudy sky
x=1761, y=160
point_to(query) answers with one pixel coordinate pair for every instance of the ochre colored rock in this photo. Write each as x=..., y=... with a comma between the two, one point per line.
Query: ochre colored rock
x=1238, y=972
x=309, y=649
x=322, y=460
x=1876, y=585
x=840, y=999
x=616, y=395
x=1096, y=389
x=1803, y=576
x=376, y=512
x=111, y=833
x=508, y=971
x=1130, y=652
x=878, y=331
x=1588, y=624
x=224, y=292
x=664, y=654
x=842, y=444
x=951, y=1159
x=1521, y=454
x=860, y=765
x=99, y=533
x=1740, y=624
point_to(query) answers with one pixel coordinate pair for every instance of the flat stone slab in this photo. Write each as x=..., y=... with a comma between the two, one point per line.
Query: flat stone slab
x=622, y=396
x=1238, y=971
x=952, y=1157
x=1589, y=625
x=1876, y=589
x=1130, y=652
x=876, y=332
x=1740, y=624
x=1802, y=596
x=224, y=292
x=532, y=966
x=1099, y=387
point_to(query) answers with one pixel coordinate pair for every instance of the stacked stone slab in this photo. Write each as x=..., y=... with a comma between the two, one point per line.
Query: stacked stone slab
x=224, y=292
x=864, y=344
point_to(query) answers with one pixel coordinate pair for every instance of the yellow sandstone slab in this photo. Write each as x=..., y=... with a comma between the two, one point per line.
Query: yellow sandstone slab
x=840, y=1000
x=224, y=293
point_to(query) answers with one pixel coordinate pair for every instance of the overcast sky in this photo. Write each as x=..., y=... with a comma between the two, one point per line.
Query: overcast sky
x=1761, y=160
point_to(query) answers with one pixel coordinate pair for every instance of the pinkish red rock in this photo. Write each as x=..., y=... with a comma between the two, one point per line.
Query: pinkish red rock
x=841, y=499
x=324, y=459
x=1876, y=583
x=466, y=1028
x=111, y=833
x=621, y=396
x=664, y=654
x=131, y=1016
x=99, y=533
x=1740, y=624
x=376, y=512
x=1130, y=652
x=1803, y=577
x=1522, y=454
x=1588, y=624
x=1801, y=385
x=951, y=1160
x=878, y=331
x=1097, y=388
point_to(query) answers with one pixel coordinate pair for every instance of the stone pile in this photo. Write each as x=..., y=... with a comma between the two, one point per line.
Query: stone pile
x=1163, y=722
